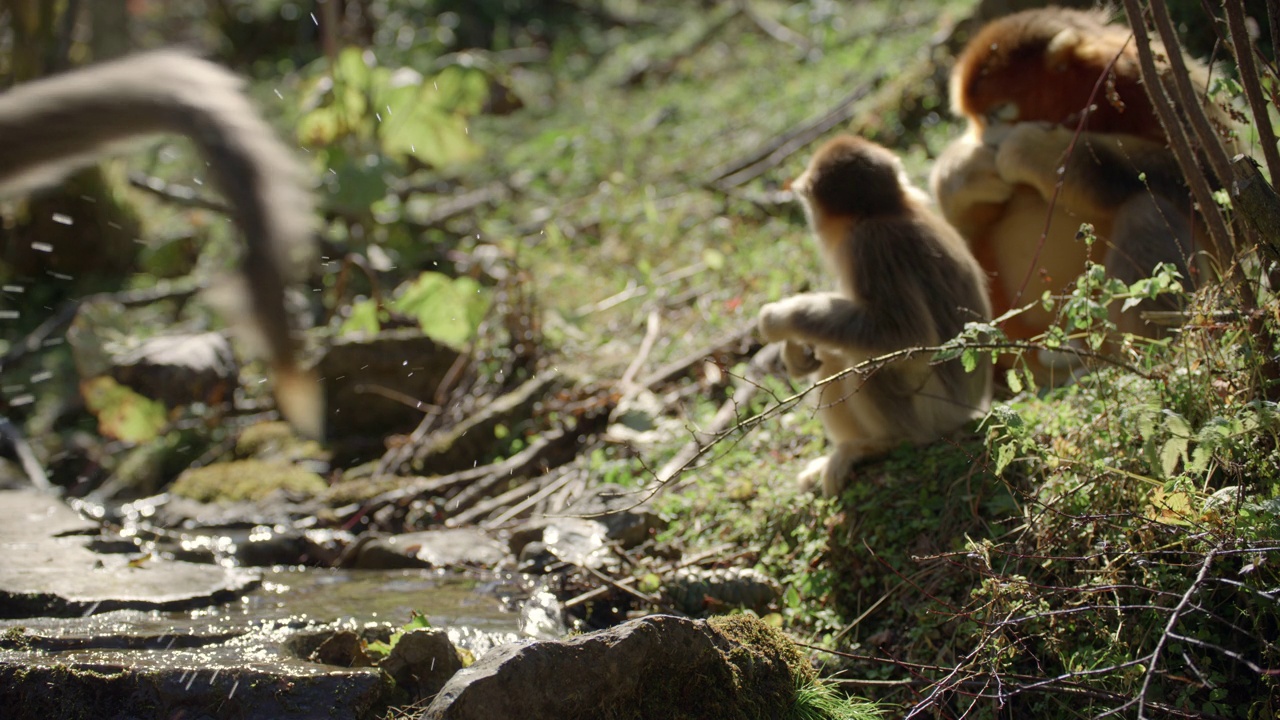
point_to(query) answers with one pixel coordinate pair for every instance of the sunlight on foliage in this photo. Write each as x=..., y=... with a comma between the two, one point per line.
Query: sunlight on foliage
x=122, y=413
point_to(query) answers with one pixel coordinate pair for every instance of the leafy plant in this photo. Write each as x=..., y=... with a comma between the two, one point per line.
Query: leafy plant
x=381, y=649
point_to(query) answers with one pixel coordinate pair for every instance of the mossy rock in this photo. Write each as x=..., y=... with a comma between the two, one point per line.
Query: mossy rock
x=246, y=480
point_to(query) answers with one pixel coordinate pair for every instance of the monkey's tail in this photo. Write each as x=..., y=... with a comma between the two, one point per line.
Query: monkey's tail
x=53, y=125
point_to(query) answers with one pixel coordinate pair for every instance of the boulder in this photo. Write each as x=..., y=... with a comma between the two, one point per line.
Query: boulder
x=654, y=667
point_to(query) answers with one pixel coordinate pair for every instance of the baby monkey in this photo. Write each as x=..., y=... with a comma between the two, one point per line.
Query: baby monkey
x=54, y=125
x=906, y=279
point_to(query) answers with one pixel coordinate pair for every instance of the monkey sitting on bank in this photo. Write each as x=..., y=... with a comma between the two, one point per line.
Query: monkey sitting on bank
x=906, y=279
x=57, y=124
x=1021, y=172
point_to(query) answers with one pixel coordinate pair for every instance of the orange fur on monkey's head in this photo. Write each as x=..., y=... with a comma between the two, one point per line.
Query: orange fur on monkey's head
x=1043, y=65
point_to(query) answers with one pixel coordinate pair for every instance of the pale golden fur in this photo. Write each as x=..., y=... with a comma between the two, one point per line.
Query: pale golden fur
x=905, y=279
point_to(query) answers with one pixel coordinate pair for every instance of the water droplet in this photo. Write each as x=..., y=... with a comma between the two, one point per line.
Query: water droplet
x=42, y=247
x=62, y=219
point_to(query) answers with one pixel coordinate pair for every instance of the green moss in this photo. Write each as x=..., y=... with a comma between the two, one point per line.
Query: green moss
x=276, y=440
x=246, y=480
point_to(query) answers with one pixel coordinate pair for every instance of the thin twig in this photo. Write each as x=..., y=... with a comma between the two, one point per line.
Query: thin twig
x=778, y=31
x=773, y=153
x=627, y=382
x=1153, y=659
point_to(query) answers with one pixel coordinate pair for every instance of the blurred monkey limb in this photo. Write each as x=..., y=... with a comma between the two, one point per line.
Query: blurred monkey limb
x=906, y=279
x=1061, y=133
x=54, y=125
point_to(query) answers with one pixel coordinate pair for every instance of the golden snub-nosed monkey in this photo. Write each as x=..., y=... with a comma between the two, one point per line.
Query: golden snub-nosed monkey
x=1024, y=83
x=905, y=279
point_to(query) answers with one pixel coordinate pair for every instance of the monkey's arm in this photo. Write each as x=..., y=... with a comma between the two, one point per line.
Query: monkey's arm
x=831, y=320
x=50, y=126
x=967, y=186
x=1100, y=173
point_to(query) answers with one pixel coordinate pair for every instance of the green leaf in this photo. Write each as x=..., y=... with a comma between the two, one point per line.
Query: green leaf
x=447, y=309
x=122, y=413
x=1174, y=450
x=713, y=258
x=1176, y=424
x=1014, y=380
x=427, y=119
x=1004, y=456
x=363, y=319
x=969, y=359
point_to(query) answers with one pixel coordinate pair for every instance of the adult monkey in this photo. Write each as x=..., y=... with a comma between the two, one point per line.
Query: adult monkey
x=54, y=125
x=1025, y=83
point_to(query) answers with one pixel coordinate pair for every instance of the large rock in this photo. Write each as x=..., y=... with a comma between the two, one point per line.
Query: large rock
x=353, y=368
x=144, y=665
x=49, y=567
x=654, y=667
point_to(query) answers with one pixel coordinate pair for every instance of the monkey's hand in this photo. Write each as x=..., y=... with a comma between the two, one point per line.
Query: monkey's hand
x=799, y=359
x=785, y=319
x=965, y=176
x=775, y=320
x=1034, y=154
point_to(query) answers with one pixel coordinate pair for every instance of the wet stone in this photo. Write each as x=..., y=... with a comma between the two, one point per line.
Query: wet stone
x=50, y=567
x=658, y=666
x=461, y=547
x=179, y=369
x=130, y=665
x=352, y=364
x=422, y=661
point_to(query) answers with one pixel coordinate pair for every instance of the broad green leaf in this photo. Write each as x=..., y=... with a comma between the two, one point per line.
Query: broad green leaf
x=363, y=319
x=1174, y=449
x=447, y=309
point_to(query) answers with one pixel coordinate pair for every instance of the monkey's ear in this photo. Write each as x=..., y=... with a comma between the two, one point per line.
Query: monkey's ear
x=1062, y=49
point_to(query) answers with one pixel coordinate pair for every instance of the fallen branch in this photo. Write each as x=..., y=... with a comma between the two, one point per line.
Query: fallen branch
x=746, y=169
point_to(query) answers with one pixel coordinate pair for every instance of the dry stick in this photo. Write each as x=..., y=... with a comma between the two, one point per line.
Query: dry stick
x=627, y=383
x=777, y=30
x=746, y=169
x=26, y=456
x=596, y=592
x=1178, y=140
x=527, y=503
x=519, y=492
x=682, y=366
x=1154, y=657
x=1243, y=50
x=1190, y=100
x=725, y=419
x=518, y=464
